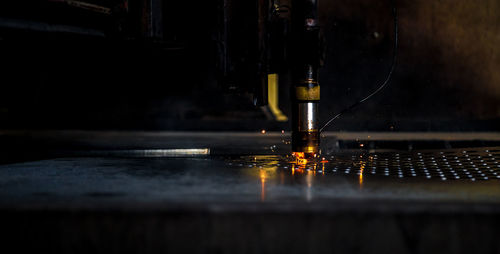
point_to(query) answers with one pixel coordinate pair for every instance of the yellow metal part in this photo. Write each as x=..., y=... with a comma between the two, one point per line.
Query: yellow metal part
x=304, y=93
x=310, y=150
x=273, y=99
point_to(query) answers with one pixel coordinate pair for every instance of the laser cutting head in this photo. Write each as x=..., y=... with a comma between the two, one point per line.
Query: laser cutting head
x=306, y=89
x=305, y=119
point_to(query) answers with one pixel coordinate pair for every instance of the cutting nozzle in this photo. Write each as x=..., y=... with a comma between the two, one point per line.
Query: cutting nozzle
x=305, y=122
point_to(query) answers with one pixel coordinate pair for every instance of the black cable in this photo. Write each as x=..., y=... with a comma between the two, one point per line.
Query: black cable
x=386, y=81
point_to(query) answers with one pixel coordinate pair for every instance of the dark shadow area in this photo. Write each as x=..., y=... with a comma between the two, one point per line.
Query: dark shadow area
x=445, y=78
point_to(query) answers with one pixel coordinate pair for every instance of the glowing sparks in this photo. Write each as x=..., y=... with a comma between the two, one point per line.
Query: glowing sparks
x=300, y=158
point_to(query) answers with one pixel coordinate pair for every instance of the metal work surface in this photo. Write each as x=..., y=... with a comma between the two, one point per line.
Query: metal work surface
x=429, y=176
x=162, y=192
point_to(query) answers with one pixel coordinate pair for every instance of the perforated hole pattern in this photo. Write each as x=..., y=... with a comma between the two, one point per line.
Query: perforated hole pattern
x=463, y=164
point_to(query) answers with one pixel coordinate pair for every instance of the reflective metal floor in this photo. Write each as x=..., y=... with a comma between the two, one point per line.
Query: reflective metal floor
x=239, y=193
x=461, y=175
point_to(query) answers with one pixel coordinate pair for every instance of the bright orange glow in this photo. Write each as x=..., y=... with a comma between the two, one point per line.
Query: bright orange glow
x=361, y=171
x=302, y=155
x=263, y=131
x=361, y=180
x=263, y=177
x=300, y=158
x=298, y=155
x=300, y=162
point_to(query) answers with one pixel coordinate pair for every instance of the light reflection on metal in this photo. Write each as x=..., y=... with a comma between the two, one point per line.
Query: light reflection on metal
x=268, y=170
x=456, y=164
x=85, y=6
x=263, y=177
x=151, y=153
x=310, y=117
x=174, y=152
x=309, y=181
x=361, y=171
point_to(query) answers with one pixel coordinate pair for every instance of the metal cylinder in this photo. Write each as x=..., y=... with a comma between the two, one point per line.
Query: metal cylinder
x=305, y=118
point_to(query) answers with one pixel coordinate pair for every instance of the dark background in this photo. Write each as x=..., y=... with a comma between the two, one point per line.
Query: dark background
x=113, y=75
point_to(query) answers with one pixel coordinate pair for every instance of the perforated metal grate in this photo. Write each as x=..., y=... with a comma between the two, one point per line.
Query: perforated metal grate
x=464, y=164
